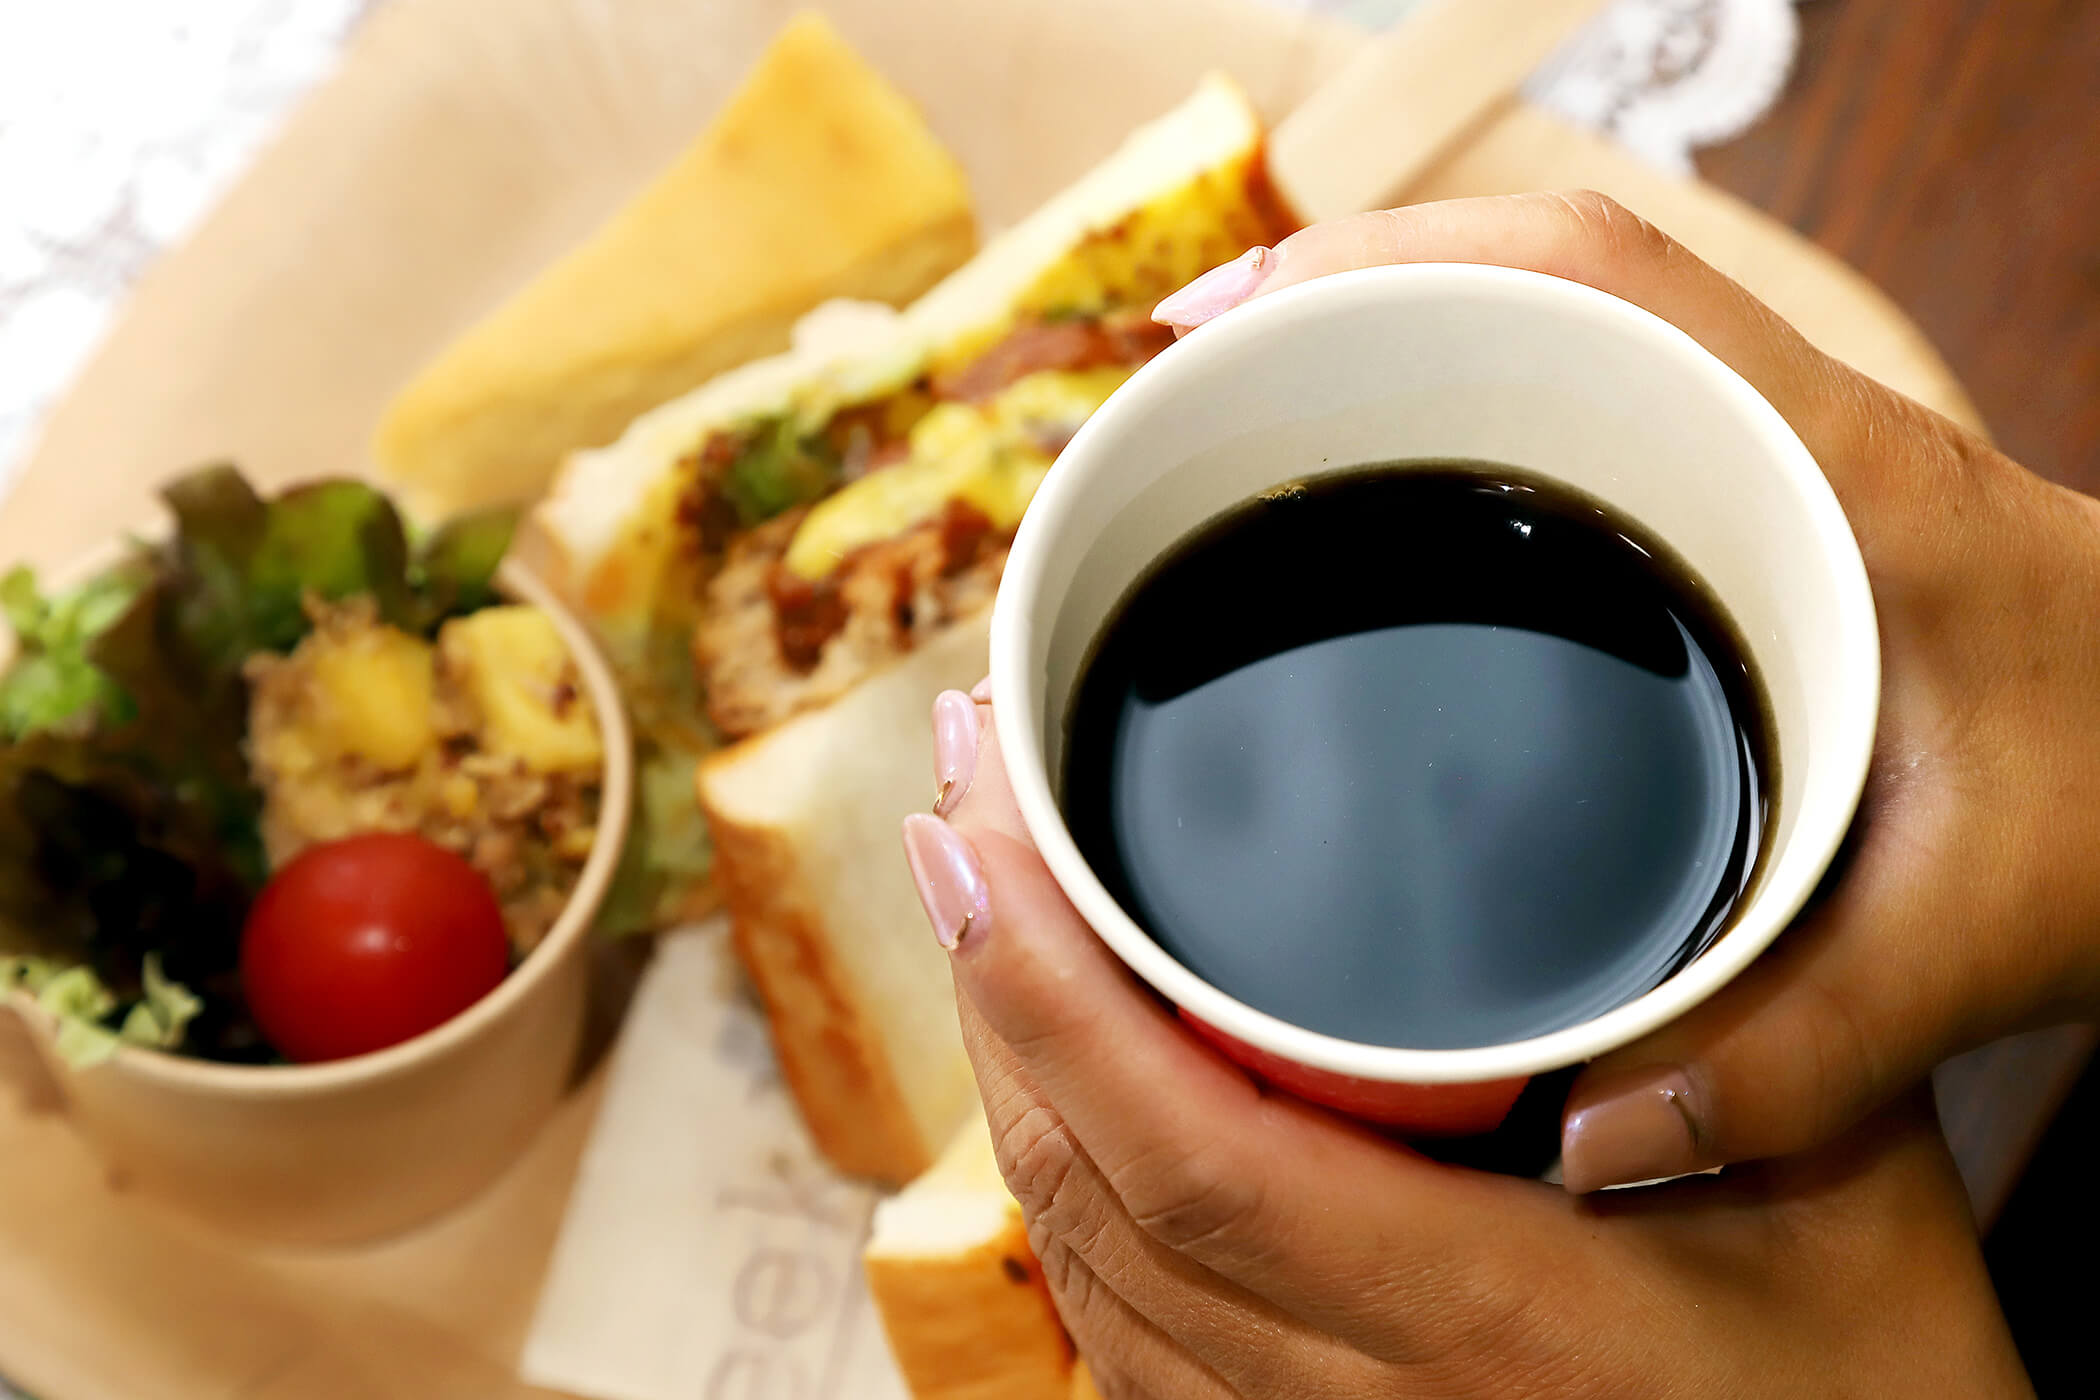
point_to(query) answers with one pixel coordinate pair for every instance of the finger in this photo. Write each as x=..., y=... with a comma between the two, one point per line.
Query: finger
x=1129, y=1354
x=1130, y=1359
x=1839, y=1178
x=1583, y=238
x=1588, y=238
x=1202, y=1160
x=1848, y=1009
x=1086, y=1239
x=965, y=736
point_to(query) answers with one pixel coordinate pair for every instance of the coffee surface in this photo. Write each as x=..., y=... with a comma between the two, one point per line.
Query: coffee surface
x=1424, y=755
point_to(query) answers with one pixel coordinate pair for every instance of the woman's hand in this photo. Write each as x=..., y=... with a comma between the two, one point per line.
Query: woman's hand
x=1205, y=1240
x=1968, y=905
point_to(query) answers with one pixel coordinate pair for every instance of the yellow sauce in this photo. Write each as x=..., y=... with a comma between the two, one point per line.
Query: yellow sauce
x=990, y=455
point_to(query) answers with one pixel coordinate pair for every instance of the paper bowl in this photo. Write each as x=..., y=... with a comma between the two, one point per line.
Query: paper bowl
x=365, y=1147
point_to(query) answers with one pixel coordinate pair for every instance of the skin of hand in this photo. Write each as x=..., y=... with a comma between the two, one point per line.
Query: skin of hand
x=1204, y=1238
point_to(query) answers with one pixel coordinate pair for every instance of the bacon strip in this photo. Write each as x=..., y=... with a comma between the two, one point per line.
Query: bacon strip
x=1119, y=338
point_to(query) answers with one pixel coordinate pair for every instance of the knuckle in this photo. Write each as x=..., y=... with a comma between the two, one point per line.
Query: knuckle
x=1007, y=1098
x=1053, y=1041
x=1066, y=1275
x=1387, y=232
x=1589, y=207
x=1036, y=1156
x=1086, y=1304
x=1600, y=226
x=1071, y=1216
x=1079, y=1219
x=1844, y=1071
x=1193, y=1200
x=1072, y=1220
x=1091, y=1314
x=1809, y=1075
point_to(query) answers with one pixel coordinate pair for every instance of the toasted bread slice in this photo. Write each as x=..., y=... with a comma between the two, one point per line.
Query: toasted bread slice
x=804, y=819
x=620, y=532
x=818, y=180
x=961, y=1295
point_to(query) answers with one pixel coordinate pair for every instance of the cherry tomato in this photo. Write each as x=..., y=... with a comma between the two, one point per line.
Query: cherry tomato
x=362, y=943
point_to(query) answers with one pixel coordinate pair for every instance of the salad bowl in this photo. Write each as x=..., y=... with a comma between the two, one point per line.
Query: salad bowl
x=362, y=1147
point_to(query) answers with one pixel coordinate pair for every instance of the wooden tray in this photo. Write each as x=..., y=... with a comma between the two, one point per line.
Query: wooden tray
x=462, y=144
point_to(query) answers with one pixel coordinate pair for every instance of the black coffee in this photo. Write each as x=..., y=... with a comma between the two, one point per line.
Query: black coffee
x=1433, y=756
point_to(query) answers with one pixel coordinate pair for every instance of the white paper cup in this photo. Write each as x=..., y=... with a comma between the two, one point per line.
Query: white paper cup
x=1449, y=361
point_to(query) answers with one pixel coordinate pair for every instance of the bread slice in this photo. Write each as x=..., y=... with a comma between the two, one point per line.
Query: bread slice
x=1197, y=171
x=1183, y=192
x=804, y=819
x=960, y=1294
x=818, y=180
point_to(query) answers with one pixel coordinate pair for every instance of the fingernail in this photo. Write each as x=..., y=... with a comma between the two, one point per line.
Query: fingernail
x=982, y=691
x=1216, y=291
x=954, y=748
x=951, y=885
x=1639, y=1132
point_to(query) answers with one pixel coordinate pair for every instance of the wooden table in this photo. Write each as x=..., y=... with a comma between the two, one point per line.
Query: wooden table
x=1950, y=149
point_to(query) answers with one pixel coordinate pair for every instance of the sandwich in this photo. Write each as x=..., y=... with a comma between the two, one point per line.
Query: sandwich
x=757, y=553
x=857, y=994
x=959, y=1292
x=817, y=180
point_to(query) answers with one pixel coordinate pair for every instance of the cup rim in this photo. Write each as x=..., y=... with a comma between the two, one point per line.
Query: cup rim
x=1821, y=829
x=571, y=927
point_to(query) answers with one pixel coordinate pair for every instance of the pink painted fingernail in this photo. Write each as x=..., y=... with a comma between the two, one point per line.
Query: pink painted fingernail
x=1641, y=1130
x=1216, y=291
x=954, y=748
x=982, y=691
x=951, y=885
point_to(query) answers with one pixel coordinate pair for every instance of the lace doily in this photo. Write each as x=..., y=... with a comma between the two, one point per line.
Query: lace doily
x=1665, y=77
x=120, y=122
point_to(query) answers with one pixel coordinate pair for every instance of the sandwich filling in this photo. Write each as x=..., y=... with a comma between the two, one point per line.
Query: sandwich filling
x=826, y=541
x=803, y=606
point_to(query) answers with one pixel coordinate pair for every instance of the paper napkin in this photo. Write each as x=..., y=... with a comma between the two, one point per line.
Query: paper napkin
x=708, y=1252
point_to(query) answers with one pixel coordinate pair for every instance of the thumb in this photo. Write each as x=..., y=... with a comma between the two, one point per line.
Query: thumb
x=1852, y=1006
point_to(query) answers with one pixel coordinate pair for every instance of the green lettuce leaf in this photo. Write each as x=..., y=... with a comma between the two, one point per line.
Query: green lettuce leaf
x=53, y=680
x=163, y=1011
x=242, y=567
x=72, y=996
x=79, y=1001
x=779, y=467
x=667, y=849
x=455, y=569
x=83, y=1007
